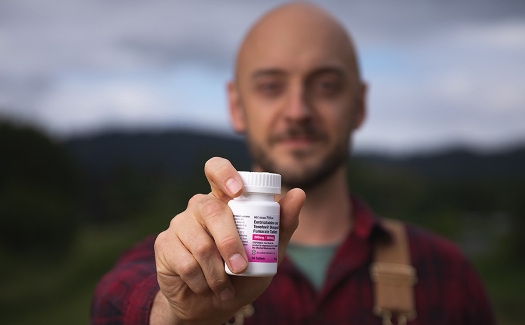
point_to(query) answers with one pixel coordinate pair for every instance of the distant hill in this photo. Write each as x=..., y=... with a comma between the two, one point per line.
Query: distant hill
x=458, y=164
x=178, y=153
x=175, y=153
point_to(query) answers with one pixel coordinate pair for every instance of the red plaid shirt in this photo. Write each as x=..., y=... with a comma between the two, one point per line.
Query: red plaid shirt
x=448, y=290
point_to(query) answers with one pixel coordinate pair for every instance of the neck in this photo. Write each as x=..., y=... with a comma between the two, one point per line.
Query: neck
x=325, y=217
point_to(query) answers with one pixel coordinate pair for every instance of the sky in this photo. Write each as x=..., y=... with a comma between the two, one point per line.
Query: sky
x=440, y=73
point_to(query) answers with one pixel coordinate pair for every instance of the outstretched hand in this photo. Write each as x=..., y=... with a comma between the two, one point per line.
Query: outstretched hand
x=190, y=254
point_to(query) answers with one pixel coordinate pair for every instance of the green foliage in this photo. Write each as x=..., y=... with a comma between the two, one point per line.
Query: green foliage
x=28, y=155
x=39, y=194
x=40, y=291
x=392, y=192
x=35, y=220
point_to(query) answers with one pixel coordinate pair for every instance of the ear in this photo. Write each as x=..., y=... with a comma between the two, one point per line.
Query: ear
x=237, y=117
x=361, y=107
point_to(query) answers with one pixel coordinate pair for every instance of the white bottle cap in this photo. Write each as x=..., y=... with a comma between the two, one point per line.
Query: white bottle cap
x=255, y=182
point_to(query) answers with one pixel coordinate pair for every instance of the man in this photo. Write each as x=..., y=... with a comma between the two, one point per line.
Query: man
x=298, y=96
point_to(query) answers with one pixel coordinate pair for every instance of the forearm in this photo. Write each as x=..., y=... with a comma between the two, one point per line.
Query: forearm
x=162, y=314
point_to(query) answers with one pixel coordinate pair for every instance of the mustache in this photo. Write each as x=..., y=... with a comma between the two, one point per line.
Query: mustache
x=298, y=132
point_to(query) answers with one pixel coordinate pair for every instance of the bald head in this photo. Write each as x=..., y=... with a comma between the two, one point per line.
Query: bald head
x=299, y=28
x=297, y=94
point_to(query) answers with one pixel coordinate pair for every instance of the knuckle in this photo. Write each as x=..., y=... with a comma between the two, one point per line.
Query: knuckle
x=159, y=248
x=227, y=242
x=159, y=241
x=216, y=283
x=195, y=199
x=212, y=209
x=188, y=269
x=174, y=221
x=204, y=250
x=200, y=287
x=177, y=221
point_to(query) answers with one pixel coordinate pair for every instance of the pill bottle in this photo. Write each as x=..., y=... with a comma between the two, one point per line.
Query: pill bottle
x=257, y=217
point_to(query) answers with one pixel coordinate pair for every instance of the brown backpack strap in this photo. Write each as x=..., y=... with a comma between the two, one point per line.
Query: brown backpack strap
x=393, y=276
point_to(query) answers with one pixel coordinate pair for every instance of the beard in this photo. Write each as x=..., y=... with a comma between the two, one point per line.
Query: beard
x=303, y=174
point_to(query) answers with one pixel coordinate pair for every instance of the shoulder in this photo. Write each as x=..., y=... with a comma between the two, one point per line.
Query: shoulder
x=430, y=251
x=447, y=281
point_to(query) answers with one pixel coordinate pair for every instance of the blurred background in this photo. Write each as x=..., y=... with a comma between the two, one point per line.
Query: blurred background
x=109, y=109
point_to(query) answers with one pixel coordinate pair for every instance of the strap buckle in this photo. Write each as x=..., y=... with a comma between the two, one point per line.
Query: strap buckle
x=244, y=312
x=402, y=318
x=395, y=281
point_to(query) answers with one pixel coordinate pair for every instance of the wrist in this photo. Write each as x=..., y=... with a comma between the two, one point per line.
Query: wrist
x=161, y=312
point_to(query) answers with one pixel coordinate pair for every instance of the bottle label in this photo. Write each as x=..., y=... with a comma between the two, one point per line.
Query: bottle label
x=260, y=236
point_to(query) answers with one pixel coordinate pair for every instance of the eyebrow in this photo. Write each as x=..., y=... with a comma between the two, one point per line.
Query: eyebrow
x=335, y=70
x=279, y=72
x=268, y=72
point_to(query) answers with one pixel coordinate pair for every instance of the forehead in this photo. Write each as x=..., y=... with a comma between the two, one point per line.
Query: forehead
x=296, y=46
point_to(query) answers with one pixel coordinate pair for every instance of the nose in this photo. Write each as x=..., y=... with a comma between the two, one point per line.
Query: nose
x=297, y=108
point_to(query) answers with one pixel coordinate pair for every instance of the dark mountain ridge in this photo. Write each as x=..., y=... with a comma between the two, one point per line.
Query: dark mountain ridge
x=175, y=153
x=178, y=153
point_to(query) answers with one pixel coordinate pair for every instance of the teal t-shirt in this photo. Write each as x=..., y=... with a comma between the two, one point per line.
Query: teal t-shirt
x=313, y=261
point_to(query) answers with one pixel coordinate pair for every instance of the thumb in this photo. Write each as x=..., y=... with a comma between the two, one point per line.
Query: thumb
x=291, y=205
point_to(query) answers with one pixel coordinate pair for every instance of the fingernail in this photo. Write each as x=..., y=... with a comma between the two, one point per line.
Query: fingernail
x=226, y=294
x=233, y=185
x=237, y=263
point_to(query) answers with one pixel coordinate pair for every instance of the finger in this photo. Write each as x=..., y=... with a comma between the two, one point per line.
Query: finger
x=225, y=181
x=203, y=248
x=174, y=260
x=291, y=205
x=216, y=217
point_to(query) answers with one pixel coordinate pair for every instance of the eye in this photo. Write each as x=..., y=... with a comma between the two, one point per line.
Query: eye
x=326, y=86
x=270, y=88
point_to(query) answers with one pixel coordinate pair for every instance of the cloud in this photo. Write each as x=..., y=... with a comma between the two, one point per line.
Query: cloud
x=439, y=73
x=179, y=96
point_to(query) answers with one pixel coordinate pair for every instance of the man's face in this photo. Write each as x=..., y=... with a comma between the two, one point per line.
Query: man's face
x=298, y=98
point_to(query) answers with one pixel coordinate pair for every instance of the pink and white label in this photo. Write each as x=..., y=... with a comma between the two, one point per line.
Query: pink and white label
x=260, y=236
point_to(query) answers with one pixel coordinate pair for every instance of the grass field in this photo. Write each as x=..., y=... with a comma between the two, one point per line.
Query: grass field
x=60, y=293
